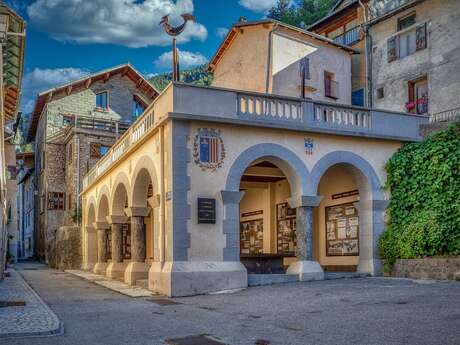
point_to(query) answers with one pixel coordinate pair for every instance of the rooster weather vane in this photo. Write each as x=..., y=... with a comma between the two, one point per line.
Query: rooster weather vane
x=174, y=32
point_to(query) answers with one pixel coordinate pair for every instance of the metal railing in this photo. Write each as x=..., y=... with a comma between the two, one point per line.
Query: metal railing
x=349, y=37
x=265, y=107
x=446, y=116
x=95, y=123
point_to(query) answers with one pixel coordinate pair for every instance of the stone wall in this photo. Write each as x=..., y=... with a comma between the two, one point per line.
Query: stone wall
x=428, y=268
x=68, y=248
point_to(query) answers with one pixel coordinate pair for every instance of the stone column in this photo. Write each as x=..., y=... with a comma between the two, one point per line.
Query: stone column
x=101, y=265
x=305, y=266
x=371, y=215
x=137, y=268
x=116, y=269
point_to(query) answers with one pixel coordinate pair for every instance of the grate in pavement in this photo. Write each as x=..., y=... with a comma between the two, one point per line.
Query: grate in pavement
x=4, y=304
x=29, y=269
x=162, y=301
x=194, y=340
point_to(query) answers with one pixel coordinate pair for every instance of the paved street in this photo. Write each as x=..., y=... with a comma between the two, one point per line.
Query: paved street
x=352, y=311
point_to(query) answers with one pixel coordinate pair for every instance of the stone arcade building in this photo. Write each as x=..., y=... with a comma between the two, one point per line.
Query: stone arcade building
x=269, y=175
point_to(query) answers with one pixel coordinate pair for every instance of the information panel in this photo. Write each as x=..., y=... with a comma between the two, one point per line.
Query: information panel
x=342, y=230
x=206, y=211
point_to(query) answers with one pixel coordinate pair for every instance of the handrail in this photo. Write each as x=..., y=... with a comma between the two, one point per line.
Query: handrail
x=348, y=37
x=446, y=115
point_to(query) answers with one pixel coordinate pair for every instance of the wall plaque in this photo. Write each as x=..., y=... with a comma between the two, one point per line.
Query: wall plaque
x=206, y=211
x=342, y=230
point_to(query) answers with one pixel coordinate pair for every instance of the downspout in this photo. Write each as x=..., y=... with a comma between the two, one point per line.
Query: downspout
x=78, y=180
x=367, y=55
x=162, y=197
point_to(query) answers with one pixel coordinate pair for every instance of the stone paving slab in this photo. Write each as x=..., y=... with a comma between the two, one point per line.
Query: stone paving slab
x=115, y=285
x=33, y=319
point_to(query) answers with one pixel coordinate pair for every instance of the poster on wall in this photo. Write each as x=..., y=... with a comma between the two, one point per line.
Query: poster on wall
x=286, y=229
x=252, y=237
x=342, y=230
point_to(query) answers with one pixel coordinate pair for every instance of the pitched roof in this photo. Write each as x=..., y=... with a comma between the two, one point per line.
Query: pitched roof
x=46, y=96
x=339, y=8
x=233, y=31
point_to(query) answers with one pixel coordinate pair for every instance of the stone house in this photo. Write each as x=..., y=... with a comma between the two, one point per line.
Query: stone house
x=72, y=127
x=415, y=59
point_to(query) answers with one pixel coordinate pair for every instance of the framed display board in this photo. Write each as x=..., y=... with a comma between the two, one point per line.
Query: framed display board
x=286, y=229
x=126, y=239
x=342, y=230
x=252, y=236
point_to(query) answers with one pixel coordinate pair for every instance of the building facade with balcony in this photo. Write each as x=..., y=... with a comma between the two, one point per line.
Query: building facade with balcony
x=72, y=127
x=415, y=59
x=231, y=185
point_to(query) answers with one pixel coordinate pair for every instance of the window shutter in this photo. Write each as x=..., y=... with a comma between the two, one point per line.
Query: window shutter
x=421, y=37
x=95, y=150
x=393, y=48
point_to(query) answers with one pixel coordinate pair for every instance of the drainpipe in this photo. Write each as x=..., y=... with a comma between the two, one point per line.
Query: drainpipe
x=367, y=55
x=162, y=197
x=78, y=178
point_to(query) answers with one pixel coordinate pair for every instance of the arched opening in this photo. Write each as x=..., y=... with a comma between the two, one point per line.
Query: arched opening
x=267, y=223
x=119, y=203
x=349, y=218
x=101, y=234
x=143, y=191
x=90, y=238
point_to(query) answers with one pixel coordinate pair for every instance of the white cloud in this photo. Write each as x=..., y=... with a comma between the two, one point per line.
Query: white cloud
x=258, y=5
x=39, y=80
x=186, y=60
x=221, y=32
x=130, y=23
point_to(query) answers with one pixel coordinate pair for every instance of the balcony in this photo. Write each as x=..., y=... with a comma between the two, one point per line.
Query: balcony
x=189, y=102
x=348, y=38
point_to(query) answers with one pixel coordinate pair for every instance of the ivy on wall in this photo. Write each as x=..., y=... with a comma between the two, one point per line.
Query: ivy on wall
x=424, y=209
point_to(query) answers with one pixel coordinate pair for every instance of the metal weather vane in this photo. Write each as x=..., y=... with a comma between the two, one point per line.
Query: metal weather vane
x=174, y=32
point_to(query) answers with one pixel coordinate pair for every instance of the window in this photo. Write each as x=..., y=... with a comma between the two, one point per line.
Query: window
x=97, y=150
x=138, y=106
x=357, y=97
x=11, y=172
x=330, y=86
x=56, y=201
x=407, y=43
x=380, y=93
x=418, y=96
x=406, y=21
x=102, y=101
x=69, y=202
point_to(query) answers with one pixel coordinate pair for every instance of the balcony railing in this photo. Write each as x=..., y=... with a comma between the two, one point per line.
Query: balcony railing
x=446, y=116
x=95, y=124
x=190, y=102
x=348, y=38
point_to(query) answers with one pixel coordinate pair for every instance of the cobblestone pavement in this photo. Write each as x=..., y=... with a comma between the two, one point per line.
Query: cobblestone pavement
x=368, y=311
x=35, y=318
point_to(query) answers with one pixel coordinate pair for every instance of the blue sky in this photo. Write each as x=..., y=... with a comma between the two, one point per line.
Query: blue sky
x=69, y=38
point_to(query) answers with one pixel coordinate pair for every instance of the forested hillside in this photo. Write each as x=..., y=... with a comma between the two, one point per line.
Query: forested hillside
x=198, y=75
x=301, y=13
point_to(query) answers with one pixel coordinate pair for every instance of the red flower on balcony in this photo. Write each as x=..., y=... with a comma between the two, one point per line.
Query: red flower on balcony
x=410, y=106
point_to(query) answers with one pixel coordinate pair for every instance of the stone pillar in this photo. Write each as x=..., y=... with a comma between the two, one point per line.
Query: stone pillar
x=305, y=266
x=101, y=265
x=116, y=269
x=371, y=215
x=137, y=268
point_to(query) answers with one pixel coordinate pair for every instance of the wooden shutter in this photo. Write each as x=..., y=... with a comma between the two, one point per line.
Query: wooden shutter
x=393, y=48
x=95, y=150
x=421, y=37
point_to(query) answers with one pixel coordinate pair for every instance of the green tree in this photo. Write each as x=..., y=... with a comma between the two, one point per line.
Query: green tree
x=198, y=76
x=300, y=13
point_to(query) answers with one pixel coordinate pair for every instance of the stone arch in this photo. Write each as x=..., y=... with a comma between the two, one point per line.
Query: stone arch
x=292, y=166
x=288, y=162
x=352, y=159
x=89, y=236
x=91, y=214
x=143, y=175
x=102, y=206
x=120, y=195
x=371, y=206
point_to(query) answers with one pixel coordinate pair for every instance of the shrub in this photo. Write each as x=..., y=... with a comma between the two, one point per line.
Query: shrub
x=424, y=209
